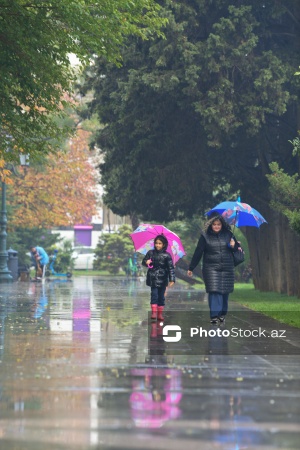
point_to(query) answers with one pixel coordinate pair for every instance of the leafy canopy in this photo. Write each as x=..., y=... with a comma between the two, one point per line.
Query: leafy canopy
x=36, y=40
x=285, y=190
x=205, y=108
x=60, y=193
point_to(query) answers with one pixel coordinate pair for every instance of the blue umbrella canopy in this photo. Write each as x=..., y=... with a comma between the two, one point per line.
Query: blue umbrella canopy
x=239, y=214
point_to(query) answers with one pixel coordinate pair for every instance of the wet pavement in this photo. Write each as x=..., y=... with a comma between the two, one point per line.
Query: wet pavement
x=81, y=368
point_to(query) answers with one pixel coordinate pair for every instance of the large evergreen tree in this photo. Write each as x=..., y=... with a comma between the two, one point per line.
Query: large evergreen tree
x=204, y=112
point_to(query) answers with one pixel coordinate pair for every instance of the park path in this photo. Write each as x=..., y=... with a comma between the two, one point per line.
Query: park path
x=81, y=369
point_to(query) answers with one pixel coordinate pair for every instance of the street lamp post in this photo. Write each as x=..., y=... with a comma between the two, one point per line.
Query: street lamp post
x=5, y=274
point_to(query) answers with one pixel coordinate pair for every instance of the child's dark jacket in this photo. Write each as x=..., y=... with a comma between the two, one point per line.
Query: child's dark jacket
x=163, y=269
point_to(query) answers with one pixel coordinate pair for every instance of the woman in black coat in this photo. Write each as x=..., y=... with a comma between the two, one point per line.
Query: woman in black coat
x=216, y=245
x=160, y=273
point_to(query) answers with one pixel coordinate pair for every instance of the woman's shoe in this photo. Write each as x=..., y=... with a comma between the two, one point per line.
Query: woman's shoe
x=214, y=320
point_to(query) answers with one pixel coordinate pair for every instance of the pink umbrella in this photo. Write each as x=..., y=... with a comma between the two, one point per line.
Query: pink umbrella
x=143, y=240
x=149, y=410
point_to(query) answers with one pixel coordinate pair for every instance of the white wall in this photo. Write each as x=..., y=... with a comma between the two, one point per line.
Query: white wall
x=66, y=234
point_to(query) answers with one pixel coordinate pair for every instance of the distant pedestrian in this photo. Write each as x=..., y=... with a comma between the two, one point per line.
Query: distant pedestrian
x=160, y=274
x=40, y=259
x=216, y=245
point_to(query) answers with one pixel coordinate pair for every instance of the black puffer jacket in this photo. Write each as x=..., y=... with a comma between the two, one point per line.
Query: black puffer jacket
x=218, y=268
x=162, y=271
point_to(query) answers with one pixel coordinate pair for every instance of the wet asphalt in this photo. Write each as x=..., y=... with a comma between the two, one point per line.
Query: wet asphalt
x=83, y=367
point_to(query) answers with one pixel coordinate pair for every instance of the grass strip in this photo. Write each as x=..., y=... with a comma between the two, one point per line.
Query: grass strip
x=281, y=307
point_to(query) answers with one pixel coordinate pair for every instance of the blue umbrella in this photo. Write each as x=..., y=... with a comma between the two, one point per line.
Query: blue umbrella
x=239, y=214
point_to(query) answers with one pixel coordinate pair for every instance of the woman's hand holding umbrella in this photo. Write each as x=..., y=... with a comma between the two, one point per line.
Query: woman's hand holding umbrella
x=232, y=243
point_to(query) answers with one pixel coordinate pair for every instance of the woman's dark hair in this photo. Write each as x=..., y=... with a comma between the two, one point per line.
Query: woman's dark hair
x=209, y=223
x=163, y=239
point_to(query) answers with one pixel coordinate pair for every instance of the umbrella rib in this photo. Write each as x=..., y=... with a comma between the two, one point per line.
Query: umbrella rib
x=158, y=232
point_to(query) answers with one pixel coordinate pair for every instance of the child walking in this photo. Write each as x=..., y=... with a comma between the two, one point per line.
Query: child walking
x=160, y=273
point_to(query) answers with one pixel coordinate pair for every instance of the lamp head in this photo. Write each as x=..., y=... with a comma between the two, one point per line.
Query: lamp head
x=24, y=160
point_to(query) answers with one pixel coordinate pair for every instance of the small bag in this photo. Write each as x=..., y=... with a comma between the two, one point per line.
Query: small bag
x=238, y=257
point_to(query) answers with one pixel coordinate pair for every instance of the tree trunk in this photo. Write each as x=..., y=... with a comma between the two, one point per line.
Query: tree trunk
x=134, y=221
x=275, y=254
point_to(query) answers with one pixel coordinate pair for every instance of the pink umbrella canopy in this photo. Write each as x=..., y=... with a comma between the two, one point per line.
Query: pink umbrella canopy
x=143, y=240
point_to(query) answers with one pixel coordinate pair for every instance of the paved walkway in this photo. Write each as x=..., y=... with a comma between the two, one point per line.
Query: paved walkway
x=80, y=368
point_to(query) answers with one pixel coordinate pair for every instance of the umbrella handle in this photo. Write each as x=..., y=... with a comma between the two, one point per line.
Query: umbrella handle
x=150, y=266
x=236, y=216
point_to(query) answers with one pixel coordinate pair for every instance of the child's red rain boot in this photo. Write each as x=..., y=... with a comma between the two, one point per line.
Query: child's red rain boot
x=154, y=312
x=160, y=312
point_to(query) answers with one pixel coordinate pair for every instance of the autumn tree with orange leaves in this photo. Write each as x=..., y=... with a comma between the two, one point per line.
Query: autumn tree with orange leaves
x=61, y=193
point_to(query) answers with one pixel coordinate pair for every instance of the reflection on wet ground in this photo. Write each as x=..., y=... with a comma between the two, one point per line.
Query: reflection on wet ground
x=77, y=371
